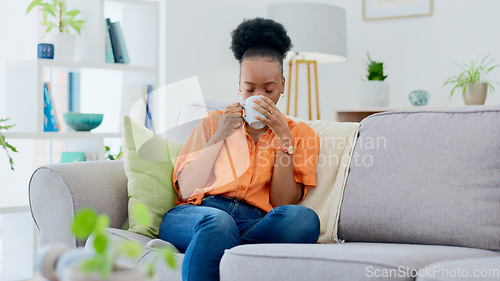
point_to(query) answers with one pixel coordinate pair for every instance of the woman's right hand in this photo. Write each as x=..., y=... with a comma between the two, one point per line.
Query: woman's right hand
x=231, y=119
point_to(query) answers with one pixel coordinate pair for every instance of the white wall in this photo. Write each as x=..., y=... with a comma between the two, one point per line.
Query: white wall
x=418, y=52
x=18, y=39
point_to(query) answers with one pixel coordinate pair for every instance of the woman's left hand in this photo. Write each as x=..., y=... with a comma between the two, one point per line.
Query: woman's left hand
x=274, y=120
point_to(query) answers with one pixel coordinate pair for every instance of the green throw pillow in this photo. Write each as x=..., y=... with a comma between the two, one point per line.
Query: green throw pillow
x=149, y=176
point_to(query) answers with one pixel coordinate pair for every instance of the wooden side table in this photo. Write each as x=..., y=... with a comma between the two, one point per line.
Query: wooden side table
x=358, y=114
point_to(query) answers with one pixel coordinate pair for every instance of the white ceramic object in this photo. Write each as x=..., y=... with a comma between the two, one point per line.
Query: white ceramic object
x=374, y=93
x=64, y=45
x=475, y=94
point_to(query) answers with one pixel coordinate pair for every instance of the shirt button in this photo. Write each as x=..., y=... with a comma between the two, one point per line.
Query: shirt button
x=252, y=153
x=243, y=188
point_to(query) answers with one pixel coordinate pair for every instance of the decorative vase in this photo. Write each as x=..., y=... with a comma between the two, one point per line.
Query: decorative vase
x=120, y=274
x=475, y=94
x=419, y=98
x=374, y=93
x=64, y=45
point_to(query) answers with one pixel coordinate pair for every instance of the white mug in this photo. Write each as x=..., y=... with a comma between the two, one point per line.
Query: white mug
x=250, y=113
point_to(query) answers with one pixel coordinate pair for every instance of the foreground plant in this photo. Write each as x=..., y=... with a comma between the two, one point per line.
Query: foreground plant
x=87, y=222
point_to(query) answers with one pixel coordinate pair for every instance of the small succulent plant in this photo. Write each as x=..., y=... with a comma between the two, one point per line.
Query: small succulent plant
x=375, y=70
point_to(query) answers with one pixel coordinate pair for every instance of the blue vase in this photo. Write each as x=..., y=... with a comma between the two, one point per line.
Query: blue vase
x=419, y=98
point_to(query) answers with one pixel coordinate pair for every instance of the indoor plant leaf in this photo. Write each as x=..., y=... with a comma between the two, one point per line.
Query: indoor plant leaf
x=33, y=4
x=84, y=223
x=130, y=249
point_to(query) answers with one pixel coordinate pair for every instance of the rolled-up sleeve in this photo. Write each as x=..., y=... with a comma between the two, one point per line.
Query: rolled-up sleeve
x=305, y=156
x=193, y=147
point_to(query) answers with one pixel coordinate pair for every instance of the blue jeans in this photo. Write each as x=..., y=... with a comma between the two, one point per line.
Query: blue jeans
x=219, y=223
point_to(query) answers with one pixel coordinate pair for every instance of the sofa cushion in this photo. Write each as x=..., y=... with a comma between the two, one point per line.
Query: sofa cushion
x=149, y=180
x=343, y=261
x=464, y=269
x=426, y=176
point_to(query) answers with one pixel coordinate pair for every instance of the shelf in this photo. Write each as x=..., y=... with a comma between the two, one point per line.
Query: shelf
x=134, y=2
x=63, y=135
x=7, y=209
x=81, y=65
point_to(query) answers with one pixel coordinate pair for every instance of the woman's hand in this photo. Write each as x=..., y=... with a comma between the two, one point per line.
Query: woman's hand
x=231, y=119
x=274, y=120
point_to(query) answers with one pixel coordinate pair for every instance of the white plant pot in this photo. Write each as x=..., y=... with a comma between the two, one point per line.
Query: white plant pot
x=475, y=94
x=374, y=93
x=64, y=45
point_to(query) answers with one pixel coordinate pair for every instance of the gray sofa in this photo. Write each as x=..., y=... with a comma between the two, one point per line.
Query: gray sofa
x=421, y=202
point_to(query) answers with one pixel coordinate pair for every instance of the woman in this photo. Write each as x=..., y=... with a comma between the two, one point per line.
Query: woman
x=237, y=184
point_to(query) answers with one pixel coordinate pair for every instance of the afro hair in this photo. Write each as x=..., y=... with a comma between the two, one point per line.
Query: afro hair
x=263, y=37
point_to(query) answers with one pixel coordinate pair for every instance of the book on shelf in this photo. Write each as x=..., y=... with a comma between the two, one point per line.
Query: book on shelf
x=117, y=42
x=110, y=58
x=149, y=101
x=135, y=102
x=50, y=122
x=69, y=157
x=74, y=79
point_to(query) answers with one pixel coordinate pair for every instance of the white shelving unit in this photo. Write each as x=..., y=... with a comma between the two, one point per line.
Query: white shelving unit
x=102, y=88
x=102, y=84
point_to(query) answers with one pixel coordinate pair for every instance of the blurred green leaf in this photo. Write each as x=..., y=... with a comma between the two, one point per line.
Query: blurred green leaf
x=49, y=24
x=150, y=269
x=100, y=243
x=72, y=13
x=51, y=9
x=169, y=257
x=130, y=249
x=32, y=5
x=91, y=265
x=107, y=267
x=84, y=223
x=101, y=223
x=141, y=214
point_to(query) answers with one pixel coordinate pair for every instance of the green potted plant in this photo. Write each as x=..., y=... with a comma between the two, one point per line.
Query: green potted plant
x=56, y=16
x=109, y=156
x=3, y=142
x=104, y=263
x=472, y=80
x=375, y=91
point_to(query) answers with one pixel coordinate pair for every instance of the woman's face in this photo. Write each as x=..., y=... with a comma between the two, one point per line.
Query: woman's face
x=261, y=76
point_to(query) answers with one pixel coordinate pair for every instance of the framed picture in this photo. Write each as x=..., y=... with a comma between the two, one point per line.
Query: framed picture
x=385, y=9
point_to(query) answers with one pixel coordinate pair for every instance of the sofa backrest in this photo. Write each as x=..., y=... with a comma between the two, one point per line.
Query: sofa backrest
x=426, y=177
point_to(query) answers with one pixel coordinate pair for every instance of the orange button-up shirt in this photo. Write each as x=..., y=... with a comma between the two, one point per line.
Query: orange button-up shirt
x=243, y=169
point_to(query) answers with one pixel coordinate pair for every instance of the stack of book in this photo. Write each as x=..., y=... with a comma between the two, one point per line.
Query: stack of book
x=116, y=50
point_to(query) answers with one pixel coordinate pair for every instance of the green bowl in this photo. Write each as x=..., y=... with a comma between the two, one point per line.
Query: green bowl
x=82, y=121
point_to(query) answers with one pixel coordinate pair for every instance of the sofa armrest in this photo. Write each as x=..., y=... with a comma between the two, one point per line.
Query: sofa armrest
x=57, y=191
